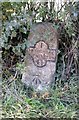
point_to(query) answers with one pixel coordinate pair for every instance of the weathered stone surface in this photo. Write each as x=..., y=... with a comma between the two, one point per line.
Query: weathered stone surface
x=41, y=56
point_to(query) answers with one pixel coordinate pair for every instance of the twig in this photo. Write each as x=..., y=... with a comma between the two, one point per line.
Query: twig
x=61, y=8
x=71, y=49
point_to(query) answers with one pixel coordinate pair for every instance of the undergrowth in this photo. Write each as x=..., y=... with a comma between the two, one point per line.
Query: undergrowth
x=59, y=102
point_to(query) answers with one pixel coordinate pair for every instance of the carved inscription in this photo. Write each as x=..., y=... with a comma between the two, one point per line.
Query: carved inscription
x=41, y=54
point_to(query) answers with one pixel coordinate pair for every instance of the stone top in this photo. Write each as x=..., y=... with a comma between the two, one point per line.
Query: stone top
x=43, y=32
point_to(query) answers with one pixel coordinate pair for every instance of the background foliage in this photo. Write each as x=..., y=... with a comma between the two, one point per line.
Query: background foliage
x=19, y=101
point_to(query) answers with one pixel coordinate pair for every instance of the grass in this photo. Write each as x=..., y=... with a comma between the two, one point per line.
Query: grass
x=56, y=103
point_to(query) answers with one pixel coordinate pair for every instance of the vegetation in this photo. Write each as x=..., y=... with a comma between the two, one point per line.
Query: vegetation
x=19, y=101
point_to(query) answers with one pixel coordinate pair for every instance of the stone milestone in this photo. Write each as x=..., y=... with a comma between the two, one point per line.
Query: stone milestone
x=41, y=57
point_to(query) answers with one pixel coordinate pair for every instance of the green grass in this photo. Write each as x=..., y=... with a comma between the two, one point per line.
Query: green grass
x=60, y=102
